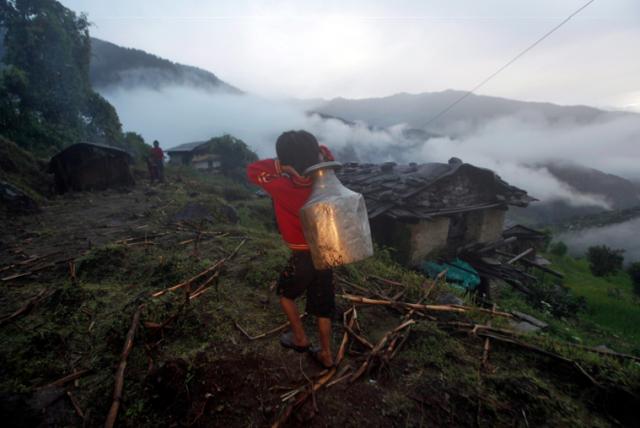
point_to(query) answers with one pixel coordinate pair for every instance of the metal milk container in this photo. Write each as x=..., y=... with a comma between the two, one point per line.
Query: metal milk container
x=334, y=220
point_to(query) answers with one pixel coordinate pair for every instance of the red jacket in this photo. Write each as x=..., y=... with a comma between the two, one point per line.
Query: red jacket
x=289, y=192
x=157, y=153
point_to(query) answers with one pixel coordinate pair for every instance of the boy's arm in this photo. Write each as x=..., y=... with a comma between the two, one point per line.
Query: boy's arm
x=266, y=174
x=326, y=153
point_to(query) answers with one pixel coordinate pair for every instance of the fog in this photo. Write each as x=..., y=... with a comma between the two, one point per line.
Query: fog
x=513, y=146
x=621, y=235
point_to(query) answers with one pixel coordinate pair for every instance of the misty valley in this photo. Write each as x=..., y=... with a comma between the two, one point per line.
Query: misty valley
x=179, y=250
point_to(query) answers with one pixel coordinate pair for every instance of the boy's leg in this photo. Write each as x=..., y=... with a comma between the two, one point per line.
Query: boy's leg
x=292, y=283
x=321, y=303
x=291, y=311
x=324, y=333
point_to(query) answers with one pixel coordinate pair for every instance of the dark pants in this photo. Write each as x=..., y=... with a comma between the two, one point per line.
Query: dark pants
x=300, y=276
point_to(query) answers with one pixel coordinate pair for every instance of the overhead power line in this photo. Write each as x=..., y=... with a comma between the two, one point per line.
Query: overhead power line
x=514, y=59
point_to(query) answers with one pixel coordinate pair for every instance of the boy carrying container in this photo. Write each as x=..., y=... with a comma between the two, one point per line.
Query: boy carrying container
x=282, y=179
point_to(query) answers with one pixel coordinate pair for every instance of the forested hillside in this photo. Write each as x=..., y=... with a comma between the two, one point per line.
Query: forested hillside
x=46, y=98
x=113, y=65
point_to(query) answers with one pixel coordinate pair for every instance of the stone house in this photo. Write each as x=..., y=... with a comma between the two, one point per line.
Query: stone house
x=197, y=154
x=89, y=166
x=430, y=210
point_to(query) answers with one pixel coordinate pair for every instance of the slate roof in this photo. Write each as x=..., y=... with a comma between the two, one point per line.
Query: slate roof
x=427, y=190
x=86, y=145
x=186, y=147
x=523, y=231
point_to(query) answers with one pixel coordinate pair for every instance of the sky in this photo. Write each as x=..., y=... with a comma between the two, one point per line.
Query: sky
x=368, y=48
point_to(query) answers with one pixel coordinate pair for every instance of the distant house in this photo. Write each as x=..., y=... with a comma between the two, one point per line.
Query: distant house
x=197, y=154
x=89, y=166
x=427, y=210
x=527, y=238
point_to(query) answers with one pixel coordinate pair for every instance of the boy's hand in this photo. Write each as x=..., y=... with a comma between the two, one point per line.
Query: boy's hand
x=326, y=154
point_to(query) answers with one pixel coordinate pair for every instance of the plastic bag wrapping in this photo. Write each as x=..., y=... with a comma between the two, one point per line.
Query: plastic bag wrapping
x=335, y=223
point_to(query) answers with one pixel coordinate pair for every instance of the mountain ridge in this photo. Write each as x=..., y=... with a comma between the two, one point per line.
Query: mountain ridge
x=113, y=65
x=417, y=110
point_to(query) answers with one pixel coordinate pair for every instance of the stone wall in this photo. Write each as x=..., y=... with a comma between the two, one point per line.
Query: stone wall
x=427, y=238
x=485, y=225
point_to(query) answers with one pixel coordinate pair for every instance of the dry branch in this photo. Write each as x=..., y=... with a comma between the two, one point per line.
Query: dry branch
x=267, y=333
x=359, y=338
x=416, y=306
x=478, y=327
x=387, y=281
x=541, y=351
x=119, y=377
x=75, y=404
x=305, y=393
x=376, y=349
x=217, y=265
x=64, y=380
x=519, y=256
x=26, y=308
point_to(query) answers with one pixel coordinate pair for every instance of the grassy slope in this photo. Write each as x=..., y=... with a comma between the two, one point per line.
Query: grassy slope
x=21, y=169
x=435, y=381
x=611, y=301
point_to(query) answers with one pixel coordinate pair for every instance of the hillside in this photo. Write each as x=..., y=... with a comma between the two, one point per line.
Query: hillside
x=113, y=65
x=91, y=261
x=619, y=192
x=416, y=109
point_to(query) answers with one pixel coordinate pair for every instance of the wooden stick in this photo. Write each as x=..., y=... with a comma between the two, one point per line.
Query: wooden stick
x=540, y=351
x=359, y=338
x=75, y=404
x=26, y=308
x=378, y=348
x=387, y=281
x=478, y=327
x=434, y=308
x=215, y=266
x=38, y=269
x=519, y=256
x=200, y=290
x=487, y=343
x=267, y=333
x=325, y=378
x=62, y=381
x=119, y=381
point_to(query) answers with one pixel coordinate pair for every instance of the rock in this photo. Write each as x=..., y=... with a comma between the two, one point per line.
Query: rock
x=193, y=212
x=523, y=327
x=449, y=299
x=604, y=348
x=531, y=320
x=16, y=200
x=229, y=213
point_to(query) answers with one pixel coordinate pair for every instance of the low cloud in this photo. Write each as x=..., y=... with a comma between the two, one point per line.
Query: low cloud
x=513, y=146
x=615, y=236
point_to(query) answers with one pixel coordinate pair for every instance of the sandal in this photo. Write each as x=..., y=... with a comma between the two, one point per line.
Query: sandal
x=286, y=340
x=314, y=352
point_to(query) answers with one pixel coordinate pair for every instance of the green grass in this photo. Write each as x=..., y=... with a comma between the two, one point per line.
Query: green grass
x=611, y=302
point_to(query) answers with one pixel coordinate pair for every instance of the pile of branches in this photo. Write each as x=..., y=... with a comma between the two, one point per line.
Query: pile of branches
x=378, y=355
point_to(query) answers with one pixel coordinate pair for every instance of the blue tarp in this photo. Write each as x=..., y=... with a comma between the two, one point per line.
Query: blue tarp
x=459, y=272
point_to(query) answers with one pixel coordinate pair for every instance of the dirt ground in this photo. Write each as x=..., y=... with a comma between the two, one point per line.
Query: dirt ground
x=97, y=256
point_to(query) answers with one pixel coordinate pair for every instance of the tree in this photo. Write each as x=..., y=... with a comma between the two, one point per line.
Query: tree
x=558, y=248
x=634, y=273
x=234, y=154
x=46, y=98
x=604, y=260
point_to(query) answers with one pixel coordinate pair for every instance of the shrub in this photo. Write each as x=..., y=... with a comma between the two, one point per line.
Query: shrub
x=634, y=273
x=558, y=248
x=604, y=260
